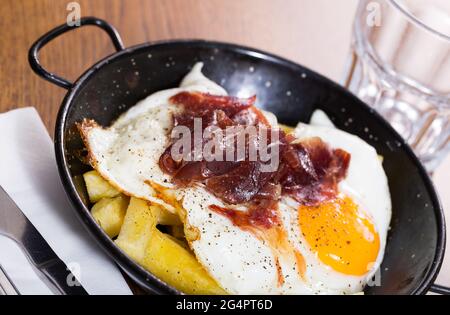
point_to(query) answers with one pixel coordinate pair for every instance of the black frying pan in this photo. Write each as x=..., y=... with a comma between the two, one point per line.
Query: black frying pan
x=416, y=241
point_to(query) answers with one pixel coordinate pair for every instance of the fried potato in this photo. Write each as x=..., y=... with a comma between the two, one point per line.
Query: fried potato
x=97, y=187
x=165, y=217
x=110, y=212
x=175, y=265
x=137, y=229
x=159, y=253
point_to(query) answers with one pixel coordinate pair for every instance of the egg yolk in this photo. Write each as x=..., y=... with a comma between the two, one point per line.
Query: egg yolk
x=341, y=235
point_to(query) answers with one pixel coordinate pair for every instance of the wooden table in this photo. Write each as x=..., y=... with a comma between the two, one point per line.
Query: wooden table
x=315, y=33
x=305, y=31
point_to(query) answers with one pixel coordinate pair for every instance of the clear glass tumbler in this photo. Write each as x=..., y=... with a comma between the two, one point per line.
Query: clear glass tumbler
x=400, y=65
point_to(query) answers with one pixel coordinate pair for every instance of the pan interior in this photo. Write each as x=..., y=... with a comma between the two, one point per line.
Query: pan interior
x=292, y=93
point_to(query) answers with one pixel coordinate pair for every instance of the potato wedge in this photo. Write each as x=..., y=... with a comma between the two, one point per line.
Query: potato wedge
x=160, y=254
x=165, y=217
x=136, y=230
x=176, y=266
x=97, y=187
x=110, y=212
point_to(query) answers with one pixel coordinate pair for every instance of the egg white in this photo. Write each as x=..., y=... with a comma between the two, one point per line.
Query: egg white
x=127, y=152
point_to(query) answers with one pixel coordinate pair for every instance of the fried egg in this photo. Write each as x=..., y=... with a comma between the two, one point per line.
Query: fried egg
x=333, y=248
x=127, y=152
x=341, y=243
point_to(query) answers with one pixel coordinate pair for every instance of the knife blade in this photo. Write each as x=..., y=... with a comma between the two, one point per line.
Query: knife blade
x=47, y=265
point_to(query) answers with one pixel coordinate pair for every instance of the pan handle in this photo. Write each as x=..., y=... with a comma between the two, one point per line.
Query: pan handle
x=439, y=289
x=33, y=54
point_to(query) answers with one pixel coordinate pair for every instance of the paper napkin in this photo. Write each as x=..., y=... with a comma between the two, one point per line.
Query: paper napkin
x=29, y=175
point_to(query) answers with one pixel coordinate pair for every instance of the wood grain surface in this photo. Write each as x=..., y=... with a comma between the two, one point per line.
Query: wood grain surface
x=315, y=33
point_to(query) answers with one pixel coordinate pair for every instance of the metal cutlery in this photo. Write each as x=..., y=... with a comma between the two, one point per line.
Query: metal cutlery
x=47, y=265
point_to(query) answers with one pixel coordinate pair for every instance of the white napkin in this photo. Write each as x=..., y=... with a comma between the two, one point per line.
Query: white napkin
x=29, y=175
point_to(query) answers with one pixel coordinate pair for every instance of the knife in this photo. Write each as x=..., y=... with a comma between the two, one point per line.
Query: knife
x=47, y=265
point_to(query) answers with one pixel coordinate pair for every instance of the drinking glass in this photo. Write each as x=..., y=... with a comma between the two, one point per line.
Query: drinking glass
x=400, y=65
